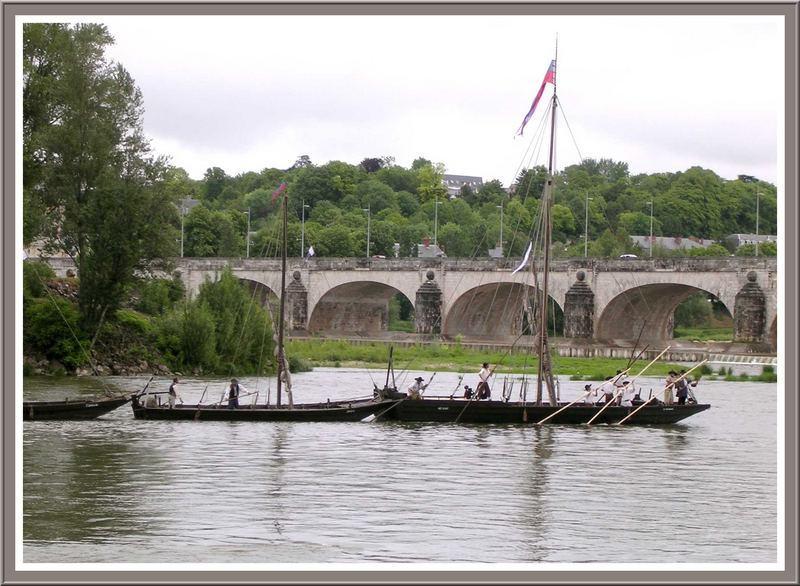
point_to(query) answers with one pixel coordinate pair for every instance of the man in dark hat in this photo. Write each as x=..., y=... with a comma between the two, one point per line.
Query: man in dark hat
x=233, y=394
x=415, y=390
x=590, y=396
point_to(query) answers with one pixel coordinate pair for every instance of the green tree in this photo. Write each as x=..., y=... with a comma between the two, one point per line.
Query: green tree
x=694, y=312
x=431, y=186
x=713, y=250
x=105, y=196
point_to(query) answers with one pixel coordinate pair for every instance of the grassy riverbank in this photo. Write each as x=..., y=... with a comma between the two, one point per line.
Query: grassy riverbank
x=455, y=358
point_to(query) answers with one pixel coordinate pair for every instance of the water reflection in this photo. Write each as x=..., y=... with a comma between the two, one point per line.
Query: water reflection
x=124, y=490
x=82, y=484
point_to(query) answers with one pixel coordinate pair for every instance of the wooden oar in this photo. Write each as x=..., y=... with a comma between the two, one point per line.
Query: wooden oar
x=146, y=385
x=458, y=385
x=614, y=398
x=583, y=396
x=635, y=411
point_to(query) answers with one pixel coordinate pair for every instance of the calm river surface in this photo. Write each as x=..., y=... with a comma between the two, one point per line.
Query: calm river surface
x=120, y=490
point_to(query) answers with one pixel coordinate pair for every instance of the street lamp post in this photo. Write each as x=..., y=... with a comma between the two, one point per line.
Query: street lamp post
x=586, y=228
x=501, y=227
x=758, y=197
x=436, y=222
x=183, y=213
x=651, y=228
x=303, y=228
x=247, y=235
x=367, y=209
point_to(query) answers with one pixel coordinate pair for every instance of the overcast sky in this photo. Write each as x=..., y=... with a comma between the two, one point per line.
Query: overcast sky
x=660, y=93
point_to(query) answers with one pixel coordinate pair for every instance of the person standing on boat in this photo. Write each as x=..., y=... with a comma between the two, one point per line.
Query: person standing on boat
x=172, y=395
x=670, y=385
x=628, y=392
x=483, y=390
x=590, y=396
x=682, y=387
x=607, y=388
x=233, y=394
x=415, y=390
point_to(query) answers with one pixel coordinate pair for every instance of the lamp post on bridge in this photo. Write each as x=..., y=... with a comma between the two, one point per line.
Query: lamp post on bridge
x=247, y=234
x=501, y=227
x=586, y=228
x=651, y=228
x=758, y=197
x=303, y=208
x=367, y=209
x=183, y=213
x=436, y=221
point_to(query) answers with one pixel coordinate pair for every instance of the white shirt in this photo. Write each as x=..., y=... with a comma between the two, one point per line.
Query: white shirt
x=484, y=374
x=416, y=387
x=627, y=395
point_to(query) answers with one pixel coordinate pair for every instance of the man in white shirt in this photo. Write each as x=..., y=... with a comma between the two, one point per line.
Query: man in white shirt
x=483, y=391
x=415, y=390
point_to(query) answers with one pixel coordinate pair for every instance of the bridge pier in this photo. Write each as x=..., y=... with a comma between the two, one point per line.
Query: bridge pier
x=428, y=307
x=749, y=313
x=297, y=304
x=579, y=309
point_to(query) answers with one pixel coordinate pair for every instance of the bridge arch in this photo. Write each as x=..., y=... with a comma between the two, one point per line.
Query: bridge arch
x=648, y=309
x=358, y=307
x=492, y=310
x=264, y=294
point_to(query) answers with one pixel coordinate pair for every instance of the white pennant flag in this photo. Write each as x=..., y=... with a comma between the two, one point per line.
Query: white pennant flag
x=24, y=255
x=524, y=259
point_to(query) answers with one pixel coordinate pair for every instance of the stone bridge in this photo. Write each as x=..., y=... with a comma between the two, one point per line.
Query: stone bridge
x=605, y=300
x=614, y=301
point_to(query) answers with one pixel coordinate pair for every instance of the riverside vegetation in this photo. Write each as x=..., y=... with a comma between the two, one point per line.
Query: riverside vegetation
x=85, y=154
x=224, y=330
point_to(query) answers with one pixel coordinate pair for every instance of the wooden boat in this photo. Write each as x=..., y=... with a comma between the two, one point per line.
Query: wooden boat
x=444, y=409
x=70, y=409
x=451, y=409
x=340, y=410
x=345, y=410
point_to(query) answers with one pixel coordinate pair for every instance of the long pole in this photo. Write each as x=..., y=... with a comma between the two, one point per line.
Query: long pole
x=435, y=221
x=546, y=243
x=369, y=213
x=282, y=303
x=183, y=213
x=303, y=229
x=614, y=398
x=501, y=226
x=640, y=407
x=758, y=196
x=651, y=229
x=586, y=228
x=248, y=233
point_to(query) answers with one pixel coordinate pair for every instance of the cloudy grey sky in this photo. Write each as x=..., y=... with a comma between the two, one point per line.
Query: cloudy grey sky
x=660, y=93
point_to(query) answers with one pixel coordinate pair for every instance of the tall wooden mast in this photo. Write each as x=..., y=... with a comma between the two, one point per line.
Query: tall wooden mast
x=545, y=373
x=280, y=356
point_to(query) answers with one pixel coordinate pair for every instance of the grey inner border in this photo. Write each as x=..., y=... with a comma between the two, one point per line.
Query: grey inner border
x=10, y=257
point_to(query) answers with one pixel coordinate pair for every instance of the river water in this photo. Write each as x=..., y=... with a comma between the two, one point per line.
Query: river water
x=121, y=490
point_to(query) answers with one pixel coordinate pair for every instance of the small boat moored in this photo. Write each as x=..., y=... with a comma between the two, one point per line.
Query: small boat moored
x=70, y=409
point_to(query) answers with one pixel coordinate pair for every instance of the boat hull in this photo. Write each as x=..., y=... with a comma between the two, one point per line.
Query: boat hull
x=69, y=410
x=445, y=410
x=340, y=411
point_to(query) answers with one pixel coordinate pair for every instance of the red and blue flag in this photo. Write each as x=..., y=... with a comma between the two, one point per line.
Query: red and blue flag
x=277, y=192
x=549, y=77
